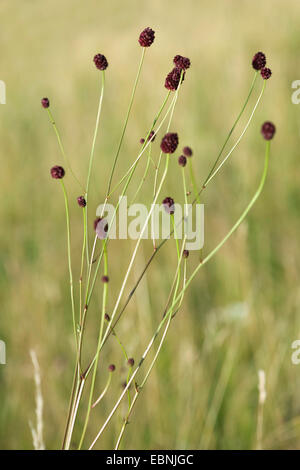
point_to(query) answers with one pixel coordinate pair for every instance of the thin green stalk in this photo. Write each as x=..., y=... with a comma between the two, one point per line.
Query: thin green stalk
x=104, y=297
x=126, y=119
x=62, y=147
x=92, y=158
x=193, y=180
x=234, y=125
x=69, y=258
x=104, y=391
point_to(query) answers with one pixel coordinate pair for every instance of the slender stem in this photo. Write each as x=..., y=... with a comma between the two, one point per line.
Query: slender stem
x=104, y=391
x=62, y=147
x=92, y=158
x=69, y=258
x=104, y=297
x=126, y=119
x=193, y=180
x=234, y=126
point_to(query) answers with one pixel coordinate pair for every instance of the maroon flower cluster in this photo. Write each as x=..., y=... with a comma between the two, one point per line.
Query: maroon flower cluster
x=111, y=368
x=181, y=62
x=45, y=102
x=57, y=172
x=173, y=79
x=150, y=137
x=81, y=201
x=259, y=61
x=147, y=37
x=168, y=204
x=266, y=73
x=169, y=142
x=268, y=130
x=100, y=61
x=185, y=253
x=182, y=160
x=187, y=151
x=101, y=227
x=105, y=279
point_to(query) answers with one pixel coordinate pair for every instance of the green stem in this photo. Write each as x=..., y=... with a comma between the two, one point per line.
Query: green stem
x=126, y=120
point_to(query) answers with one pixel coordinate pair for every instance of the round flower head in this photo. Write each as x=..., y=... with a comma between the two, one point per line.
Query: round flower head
x=268, y=130
x=147, y=37
x=173, y=79
x=81, y=201
x=266, y=73
x=150, y=137
x=57, y=172
x=100, y=61
x=182, y=160
x=45, y=102
x=182, y=62
x=101, y=227
x=259, y=61
x=105, y=279
x=168, y=204
x=130, y=362
x=187, y=151
x=185, y=253
x=107, y=317
x=169, y=142
x=111, y=368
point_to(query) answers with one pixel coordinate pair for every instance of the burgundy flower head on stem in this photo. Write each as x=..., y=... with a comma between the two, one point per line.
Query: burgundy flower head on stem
x=45, y=102
x=182, y=160
x=100, y=61
x=268, y=130
x=187, y=151
x=105, y=279
x=169, y=142
x=185, y=253
x=259, y=61
x=130, y=362
x=101, y=227
x=182, y=62
x=151, y=137
x=147, y=37
x=81, y=201
x=111, y=368
x=266, y=73
x=173, y=79
x=57, y=172
x=168, y=204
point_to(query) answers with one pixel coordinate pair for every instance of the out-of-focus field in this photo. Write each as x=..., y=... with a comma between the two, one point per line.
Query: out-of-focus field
x=241, y=313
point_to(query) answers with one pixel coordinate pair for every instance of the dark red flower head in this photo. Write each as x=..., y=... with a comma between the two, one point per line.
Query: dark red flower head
x=182, y=160
x=45, y=102
x=168, y=204
x=259, y=61
x=130, y=362
x=150, y=137
x=100, y=61
x=105, y=279
x=147, y=37
x=266, y=73
x=182, y=62
x=187, y=151
x=169, y=142
x=81, y=201
x=185, y=253
x=107, y=317
x=101, y=227
x=268, y=130
x=111, y=368
x=173, y=79
x=57, y=172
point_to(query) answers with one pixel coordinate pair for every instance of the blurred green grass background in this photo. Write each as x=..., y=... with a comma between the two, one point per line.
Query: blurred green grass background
x=242, y=312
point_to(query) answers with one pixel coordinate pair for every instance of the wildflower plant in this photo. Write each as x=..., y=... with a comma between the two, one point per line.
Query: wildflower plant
x=95, y=252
